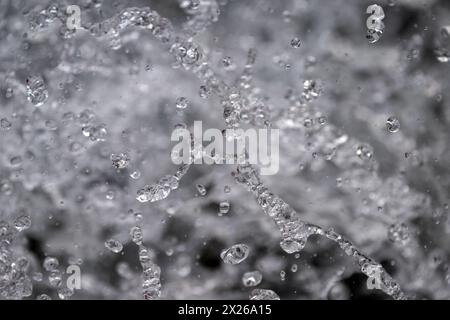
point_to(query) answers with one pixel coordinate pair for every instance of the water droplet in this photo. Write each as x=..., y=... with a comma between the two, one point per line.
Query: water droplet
x=181, y=103
x=43, y=297
x=295, y=43
x=113, y=245
x=392, y=124
x=201, y=190
x=283, y=275
x=398, y=233
x=224, y=207
x=364, y=152
x=227, y=189
x=252, y=278
x=235, y=254
x=22, y=223
x=120, y=161
x=65, y=293
x=135, y=174
x=37, y=92
x=263, y=294
x=136, y=235
x=5, y=124
x=50, y=263
x=55, y=278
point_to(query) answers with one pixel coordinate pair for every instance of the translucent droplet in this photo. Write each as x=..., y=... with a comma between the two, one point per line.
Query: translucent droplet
x=204, y=92
x=50, y=263
x=55, y=278
x=120, y=161
x=235, y=254
x=201, y=189
x=5, y=124
x=398, y=233
x=226, y=189
x=263, y=294
x=392, y=124
x=113, y=245
x=136, y=235
x=295, y=43
x=252, y=278
x=364, y=152
x=282, y=275
x=135, y=174
x=65, y=293
x=182, y=103
x=224, y=207
x=22, y=223
x=37, y=92
x=43, y=297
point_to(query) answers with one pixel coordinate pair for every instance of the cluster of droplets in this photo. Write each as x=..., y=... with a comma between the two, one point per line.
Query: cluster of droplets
x=159, y=190
x=151, y=272
x=90, y=127
x=14, y=280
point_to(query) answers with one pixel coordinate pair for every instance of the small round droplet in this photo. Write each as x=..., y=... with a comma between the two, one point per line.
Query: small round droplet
x=252, y=278
x=22, y=223
x=224, y=207
x=5, y=124
x=135, y=174
x=113, y=245
x=181, y=103
x=201, y=190
x=50, y=263
x=136, y=235
x=65, y=293
x=392, y=124
x=398, y=233
x=295, y=43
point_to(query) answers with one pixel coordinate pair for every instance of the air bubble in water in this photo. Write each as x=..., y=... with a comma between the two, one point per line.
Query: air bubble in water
x=235, y=254
x=113, y=245
x=263, y=294
x=37, y=92
x=252, y=278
